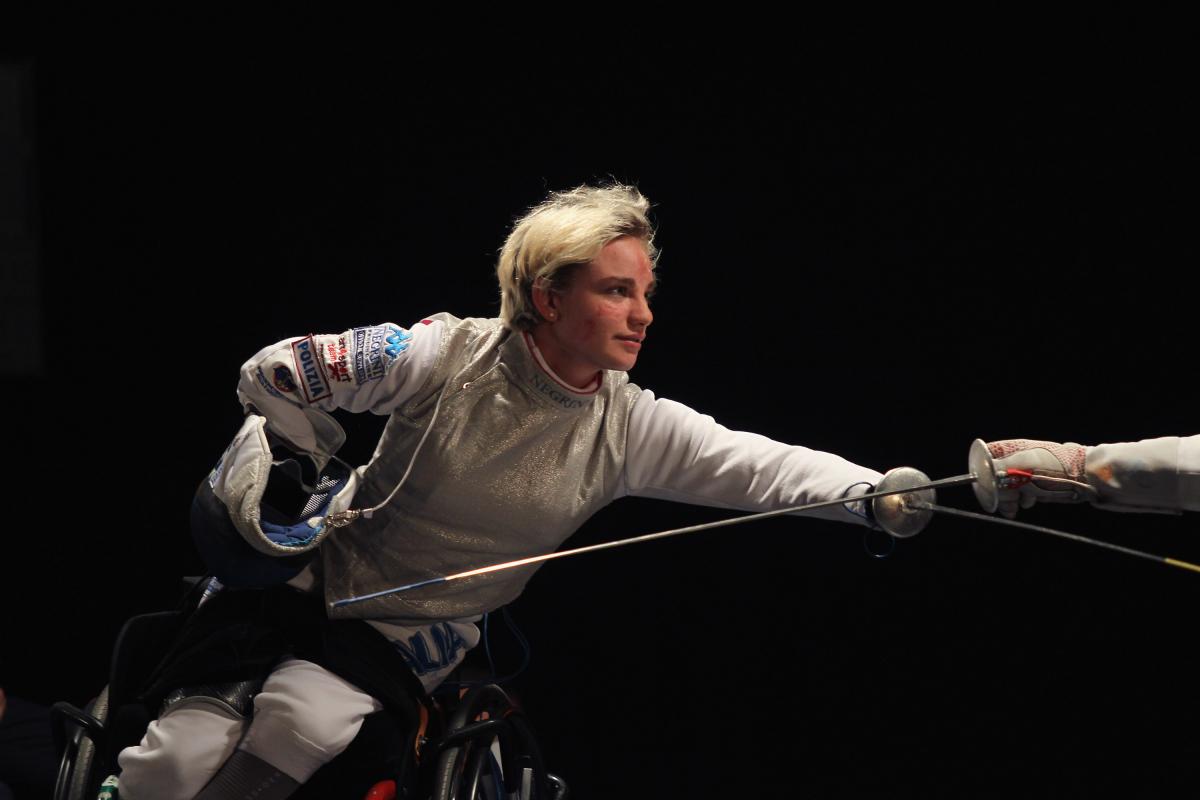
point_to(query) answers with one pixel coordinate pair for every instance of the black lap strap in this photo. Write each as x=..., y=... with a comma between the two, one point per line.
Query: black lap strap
x=242, y=634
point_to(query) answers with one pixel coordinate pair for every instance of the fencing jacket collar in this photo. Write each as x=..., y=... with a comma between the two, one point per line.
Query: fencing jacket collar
x=523, y=356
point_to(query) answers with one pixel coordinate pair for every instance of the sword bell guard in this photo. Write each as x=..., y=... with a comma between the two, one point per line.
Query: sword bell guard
x=983, y=470
x=896, y=513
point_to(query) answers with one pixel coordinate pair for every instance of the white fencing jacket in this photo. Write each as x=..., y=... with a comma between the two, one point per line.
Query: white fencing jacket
x=513, y=462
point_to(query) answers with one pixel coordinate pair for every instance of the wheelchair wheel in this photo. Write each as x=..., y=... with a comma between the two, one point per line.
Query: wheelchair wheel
x=91, y=738
x=488, y=752
x=78, y=771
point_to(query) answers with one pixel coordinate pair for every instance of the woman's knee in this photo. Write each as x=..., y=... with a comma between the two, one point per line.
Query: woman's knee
x=304, y=717
x=180, y=752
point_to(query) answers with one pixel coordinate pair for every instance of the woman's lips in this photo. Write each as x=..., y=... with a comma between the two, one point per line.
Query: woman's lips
x=633, y=343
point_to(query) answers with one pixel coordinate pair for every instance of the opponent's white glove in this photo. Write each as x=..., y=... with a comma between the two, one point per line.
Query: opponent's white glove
x=1025, y=459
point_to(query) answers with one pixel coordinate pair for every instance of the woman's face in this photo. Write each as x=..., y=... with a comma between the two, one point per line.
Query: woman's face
x=599, y=321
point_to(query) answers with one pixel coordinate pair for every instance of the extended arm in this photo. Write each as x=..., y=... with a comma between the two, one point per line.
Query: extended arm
x=1151, y=475
x=675, y=453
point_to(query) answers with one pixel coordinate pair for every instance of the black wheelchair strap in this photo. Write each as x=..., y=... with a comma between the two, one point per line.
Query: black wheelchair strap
x=242, y=634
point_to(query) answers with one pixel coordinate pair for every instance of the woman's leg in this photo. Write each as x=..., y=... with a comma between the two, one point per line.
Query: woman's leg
x=304, y=717
x=180, y=752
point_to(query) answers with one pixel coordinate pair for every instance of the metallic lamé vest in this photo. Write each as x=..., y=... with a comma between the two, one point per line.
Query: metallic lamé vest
x=513, y=465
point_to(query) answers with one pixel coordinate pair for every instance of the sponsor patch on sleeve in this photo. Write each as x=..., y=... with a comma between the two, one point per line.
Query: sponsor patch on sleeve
x=309, y=369
x=374, y=350
x=397, y=342
x=280, y=385
x=336, y=352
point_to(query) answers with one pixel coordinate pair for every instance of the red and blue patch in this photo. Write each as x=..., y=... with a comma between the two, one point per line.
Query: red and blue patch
x=337, y=359
x=308, y=368
x=282, y=379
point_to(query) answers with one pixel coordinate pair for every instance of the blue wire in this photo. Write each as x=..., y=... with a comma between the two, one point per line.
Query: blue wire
x=873, y=525
x=527, y=651
x=526, y=657
x=497, y=775
x=882, y=555
x=865, y=515
x=487, y=643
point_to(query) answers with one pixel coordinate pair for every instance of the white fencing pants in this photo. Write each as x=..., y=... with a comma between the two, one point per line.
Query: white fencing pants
x=303, y=717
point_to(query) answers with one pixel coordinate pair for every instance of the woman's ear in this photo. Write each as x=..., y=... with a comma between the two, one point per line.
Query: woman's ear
x=544, y=299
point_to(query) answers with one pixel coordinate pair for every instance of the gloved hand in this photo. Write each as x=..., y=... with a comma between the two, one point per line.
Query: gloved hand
x=1063, y=461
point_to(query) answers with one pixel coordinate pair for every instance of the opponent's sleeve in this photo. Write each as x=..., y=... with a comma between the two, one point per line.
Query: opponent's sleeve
x=675, y=453
x=294, y=382
x=1151, y=475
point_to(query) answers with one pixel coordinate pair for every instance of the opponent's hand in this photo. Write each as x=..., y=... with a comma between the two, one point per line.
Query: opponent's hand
x=1051, y=459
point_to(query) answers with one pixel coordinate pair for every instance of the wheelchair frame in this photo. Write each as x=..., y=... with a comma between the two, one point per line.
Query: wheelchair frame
x=480, y=747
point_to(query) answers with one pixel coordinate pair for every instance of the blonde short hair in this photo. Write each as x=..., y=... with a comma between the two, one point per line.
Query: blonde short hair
x=565, y=230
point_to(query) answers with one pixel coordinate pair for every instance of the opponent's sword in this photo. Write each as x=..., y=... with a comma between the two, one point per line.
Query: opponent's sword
x=1074, y=537
x=988, y=483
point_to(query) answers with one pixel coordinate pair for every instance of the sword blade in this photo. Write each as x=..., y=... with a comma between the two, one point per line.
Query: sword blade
x=649, y=537
x=957, y=512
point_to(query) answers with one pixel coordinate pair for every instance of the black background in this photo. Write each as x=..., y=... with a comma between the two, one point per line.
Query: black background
x=857, y=256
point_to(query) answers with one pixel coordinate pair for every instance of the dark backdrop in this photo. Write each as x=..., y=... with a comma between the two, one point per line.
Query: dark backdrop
x=875, y=261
